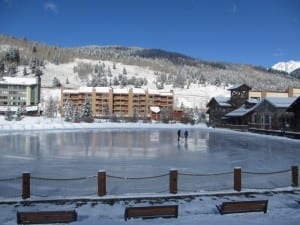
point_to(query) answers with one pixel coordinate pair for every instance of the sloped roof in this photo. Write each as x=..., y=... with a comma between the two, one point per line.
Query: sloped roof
x=18, y=80
x=293, y=105
x=242, y=111
x=278, y=102
x=237, y=86
x=223, y=101
x=253, y=101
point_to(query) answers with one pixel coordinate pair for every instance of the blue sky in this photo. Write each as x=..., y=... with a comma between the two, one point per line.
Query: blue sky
x=258, y=32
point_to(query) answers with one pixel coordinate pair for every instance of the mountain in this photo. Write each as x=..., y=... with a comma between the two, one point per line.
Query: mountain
x=288, y=66
x=194, y=81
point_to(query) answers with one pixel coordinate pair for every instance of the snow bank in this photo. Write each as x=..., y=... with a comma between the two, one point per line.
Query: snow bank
x=42, y=123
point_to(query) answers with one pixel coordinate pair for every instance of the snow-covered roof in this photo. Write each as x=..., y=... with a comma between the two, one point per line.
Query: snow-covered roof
x=166, y=93
x=294, y=104
x=102, y=89
x=138, y=91
x=223, y=101
x=242, y=111
x=153, y=92
x=86, y=89
x=237, y=86
x=14, y=108
x=280, y=102
x=155, y=109
x=80, y=90
x=18, y=80
x=120, y=90
x=253, y=101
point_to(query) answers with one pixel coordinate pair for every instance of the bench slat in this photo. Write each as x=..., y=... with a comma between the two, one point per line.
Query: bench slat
x=148, y=212
x=243, y=206
x=46, y=217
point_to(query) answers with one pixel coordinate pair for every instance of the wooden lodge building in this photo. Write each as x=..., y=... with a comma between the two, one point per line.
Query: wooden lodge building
x=295, y=108
x=218, y=107
x=276, y=113
x=271, y=113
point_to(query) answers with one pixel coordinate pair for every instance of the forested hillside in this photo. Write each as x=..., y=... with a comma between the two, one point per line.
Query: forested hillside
x=168, y=68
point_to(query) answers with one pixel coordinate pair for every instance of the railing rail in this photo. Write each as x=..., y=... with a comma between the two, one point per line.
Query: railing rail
x=177, y=181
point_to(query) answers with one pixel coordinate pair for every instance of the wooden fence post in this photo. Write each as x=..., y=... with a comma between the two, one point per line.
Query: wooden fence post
x=101, y=183
x=295, y=175
x=26, y=185
x=173, y=175
x=237, y=179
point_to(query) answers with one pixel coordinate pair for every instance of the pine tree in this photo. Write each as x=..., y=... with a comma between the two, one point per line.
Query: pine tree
x=25, y=71
x=56, y=82
x=8, y=114
x=76, y=115
x=134, y=114
x=19, y=113
x=51, y=108
x=2, y=66
x=68, y=110
x=86, y=112
x=124, y=71
x=109, y=72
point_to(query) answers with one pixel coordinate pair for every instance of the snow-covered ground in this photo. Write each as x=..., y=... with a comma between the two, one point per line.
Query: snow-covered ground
x=283, y=208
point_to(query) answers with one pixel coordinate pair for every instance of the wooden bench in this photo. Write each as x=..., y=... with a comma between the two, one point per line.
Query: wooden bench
x=46, y=217
x=149, y=212
x=243, y=207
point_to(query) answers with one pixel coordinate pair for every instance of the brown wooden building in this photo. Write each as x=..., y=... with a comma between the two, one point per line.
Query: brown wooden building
x=243, y=114
x=219, y=107
x=295, y=108
x=271, y=113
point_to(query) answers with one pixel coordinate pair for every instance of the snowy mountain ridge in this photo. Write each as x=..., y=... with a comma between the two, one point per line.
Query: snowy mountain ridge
x=194, y=81
x=196, y=95
x=288, y=66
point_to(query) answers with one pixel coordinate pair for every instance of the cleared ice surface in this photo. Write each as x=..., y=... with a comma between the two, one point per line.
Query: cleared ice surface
x=130, y=153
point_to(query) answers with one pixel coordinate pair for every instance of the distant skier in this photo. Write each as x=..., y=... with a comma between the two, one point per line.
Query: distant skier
x=178, y=135
x=186, y=134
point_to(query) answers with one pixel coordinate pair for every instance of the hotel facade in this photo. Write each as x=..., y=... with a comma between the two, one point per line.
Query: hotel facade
x=126, y=102
x=15, y=91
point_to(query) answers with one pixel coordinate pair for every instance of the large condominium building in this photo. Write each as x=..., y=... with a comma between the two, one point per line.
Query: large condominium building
x=124, y=102
x=15, y=91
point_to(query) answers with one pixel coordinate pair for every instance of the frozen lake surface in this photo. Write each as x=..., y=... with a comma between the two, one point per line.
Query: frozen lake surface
x=135, y=153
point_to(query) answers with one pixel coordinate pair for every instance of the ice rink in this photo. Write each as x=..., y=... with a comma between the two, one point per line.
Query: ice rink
x=205, y=161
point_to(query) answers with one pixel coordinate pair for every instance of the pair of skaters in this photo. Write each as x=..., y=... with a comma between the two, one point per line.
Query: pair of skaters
x=186, y=134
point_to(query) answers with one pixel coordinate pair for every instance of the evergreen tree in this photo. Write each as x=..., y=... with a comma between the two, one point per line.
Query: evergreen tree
x=2, y=66
x=68, y=110
x=76, y=115
x=109, y=72
x=8, y=114
x=51, y=108
x=38, y=72
x=19, y=113
x=217, y=82
x=202, y=79
x=25, y=71
x=86, y=112
x=56, y=82
x=134, y=114
x=124, y=71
